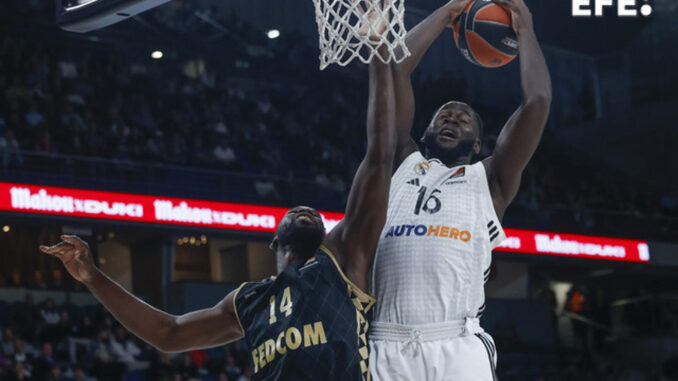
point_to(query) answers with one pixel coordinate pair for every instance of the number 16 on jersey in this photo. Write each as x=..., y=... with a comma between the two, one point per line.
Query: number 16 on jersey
x=432, y=204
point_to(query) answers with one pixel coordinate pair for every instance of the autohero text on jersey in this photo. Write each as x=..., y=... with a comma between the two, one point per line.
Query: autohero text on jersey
x=431, y=230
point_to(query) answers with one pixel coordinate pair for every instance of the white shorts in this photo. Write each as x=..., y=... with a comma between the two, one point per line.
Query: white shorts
x=432, y=353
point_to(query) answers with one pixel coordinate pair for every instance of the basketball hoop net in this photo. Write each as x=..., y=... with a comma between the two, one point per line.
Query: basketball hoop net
x=350, y=29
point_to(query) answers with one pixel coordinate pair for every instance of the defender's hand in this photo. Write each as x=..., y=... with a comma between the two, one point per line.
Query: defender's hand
x=456, y=7
x=75, y=255
x=521, y=17
x=378, y=17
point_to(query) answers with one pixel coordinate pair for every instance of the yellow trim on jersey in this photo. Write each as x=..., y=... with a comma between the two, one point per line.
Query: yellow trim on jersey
x=235, y=307
x=362, y=295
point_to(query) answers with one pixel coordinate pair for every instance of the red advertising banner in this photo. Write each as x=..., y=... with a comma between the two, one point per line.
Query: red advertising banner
x=223, y=215
x=575, y=245
x=144, y=208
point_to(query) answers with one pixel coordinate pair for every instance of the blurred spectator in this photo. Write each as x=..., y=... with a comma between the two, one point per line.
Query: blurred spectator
x=322, y=180
x=100, y=348
x=199, y=357
x=233, y=372
x=86, y=328
x=187, y=369
x=66, y=328
x=20, y=373
x=577, y=304
x=38, y=281
x=25, y=317
x=7, y=343
x=265, y=187
x=56, y=374
x=246, y=376
x=15, y=282
x=49, y=313
x=44, y=363
x=160, y=366
x=199, y=154
x=58, y=282
x=10, y=154
x=51, y=318
x=33, y=117
x=80, y=375
x=19, y=353
x=224, y=153
x=105, y=364
x=126, y=351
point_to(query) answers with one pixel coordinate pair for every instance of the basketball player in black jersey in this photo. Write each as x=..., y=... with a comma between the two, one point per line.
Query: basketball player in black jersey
x=309, y=322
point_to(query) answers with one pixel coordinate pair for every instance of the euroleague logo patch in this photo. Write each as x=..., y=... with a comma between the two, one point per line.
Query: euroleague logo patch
x=458, y=174
x=422, y=168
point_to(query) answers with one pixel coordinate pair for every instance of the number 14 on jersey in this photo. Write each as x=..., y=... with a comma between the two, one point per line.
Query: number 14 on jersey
x=285, y=305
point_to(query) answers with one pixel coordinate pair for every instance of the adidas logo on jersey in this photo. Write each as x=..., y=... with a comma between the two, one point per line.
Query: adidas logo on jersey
x=414, y=182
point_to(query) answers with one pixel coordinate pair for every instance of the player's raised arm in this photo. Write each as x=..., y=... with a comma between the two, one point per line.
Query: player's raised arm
x=200, y=329
x=521, y=134
x=354, y=239
x=418, y=40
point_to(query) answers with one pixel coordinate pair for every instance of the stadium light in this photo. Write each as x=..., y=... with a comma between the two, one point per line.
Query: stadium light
x=157, y=54
x=273, y=33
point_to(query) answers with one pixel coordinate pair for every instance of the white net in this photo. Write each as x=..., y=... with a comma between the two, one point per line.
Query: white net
x=350, y=29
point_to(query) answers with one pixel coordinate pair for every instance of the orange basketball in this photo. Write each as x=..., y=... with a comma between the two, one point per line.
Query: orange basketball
x=484, y=35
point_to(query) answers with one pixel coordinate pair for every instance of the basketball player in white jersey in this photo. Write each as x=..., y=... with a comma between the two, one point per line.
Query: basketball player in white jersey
x=444, y=218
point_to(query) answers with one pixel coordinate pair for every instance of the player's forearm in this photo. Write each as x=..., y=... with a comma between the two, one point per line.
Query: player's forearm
x=381, y=137
x=534, y=74
x=146, y=322
x=420, y=38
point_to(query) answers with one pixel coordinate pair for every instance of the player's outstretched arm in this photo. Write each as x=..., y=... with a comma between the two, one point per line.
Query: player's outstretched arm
x=521, y=134
x=418, y=41
x=354, y=240
x=200, y=329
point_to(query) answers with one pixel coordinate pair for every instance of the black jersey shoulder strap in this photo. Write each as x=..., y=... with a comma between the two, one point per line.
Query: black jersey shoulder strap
x=362, y=300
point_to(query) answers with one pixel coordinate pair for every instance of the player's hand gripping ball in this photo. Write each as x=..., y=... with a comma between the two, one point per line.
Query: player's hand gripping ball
x=484, y=34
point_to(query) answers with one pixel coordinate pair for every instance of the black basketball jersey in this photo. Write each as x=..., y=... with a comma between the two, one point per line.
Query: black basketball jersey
x=308, y=323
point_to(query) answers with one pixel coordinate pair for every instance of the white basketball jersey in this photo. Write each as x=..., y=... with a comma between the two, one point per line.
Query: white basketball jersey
x=434, y=253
